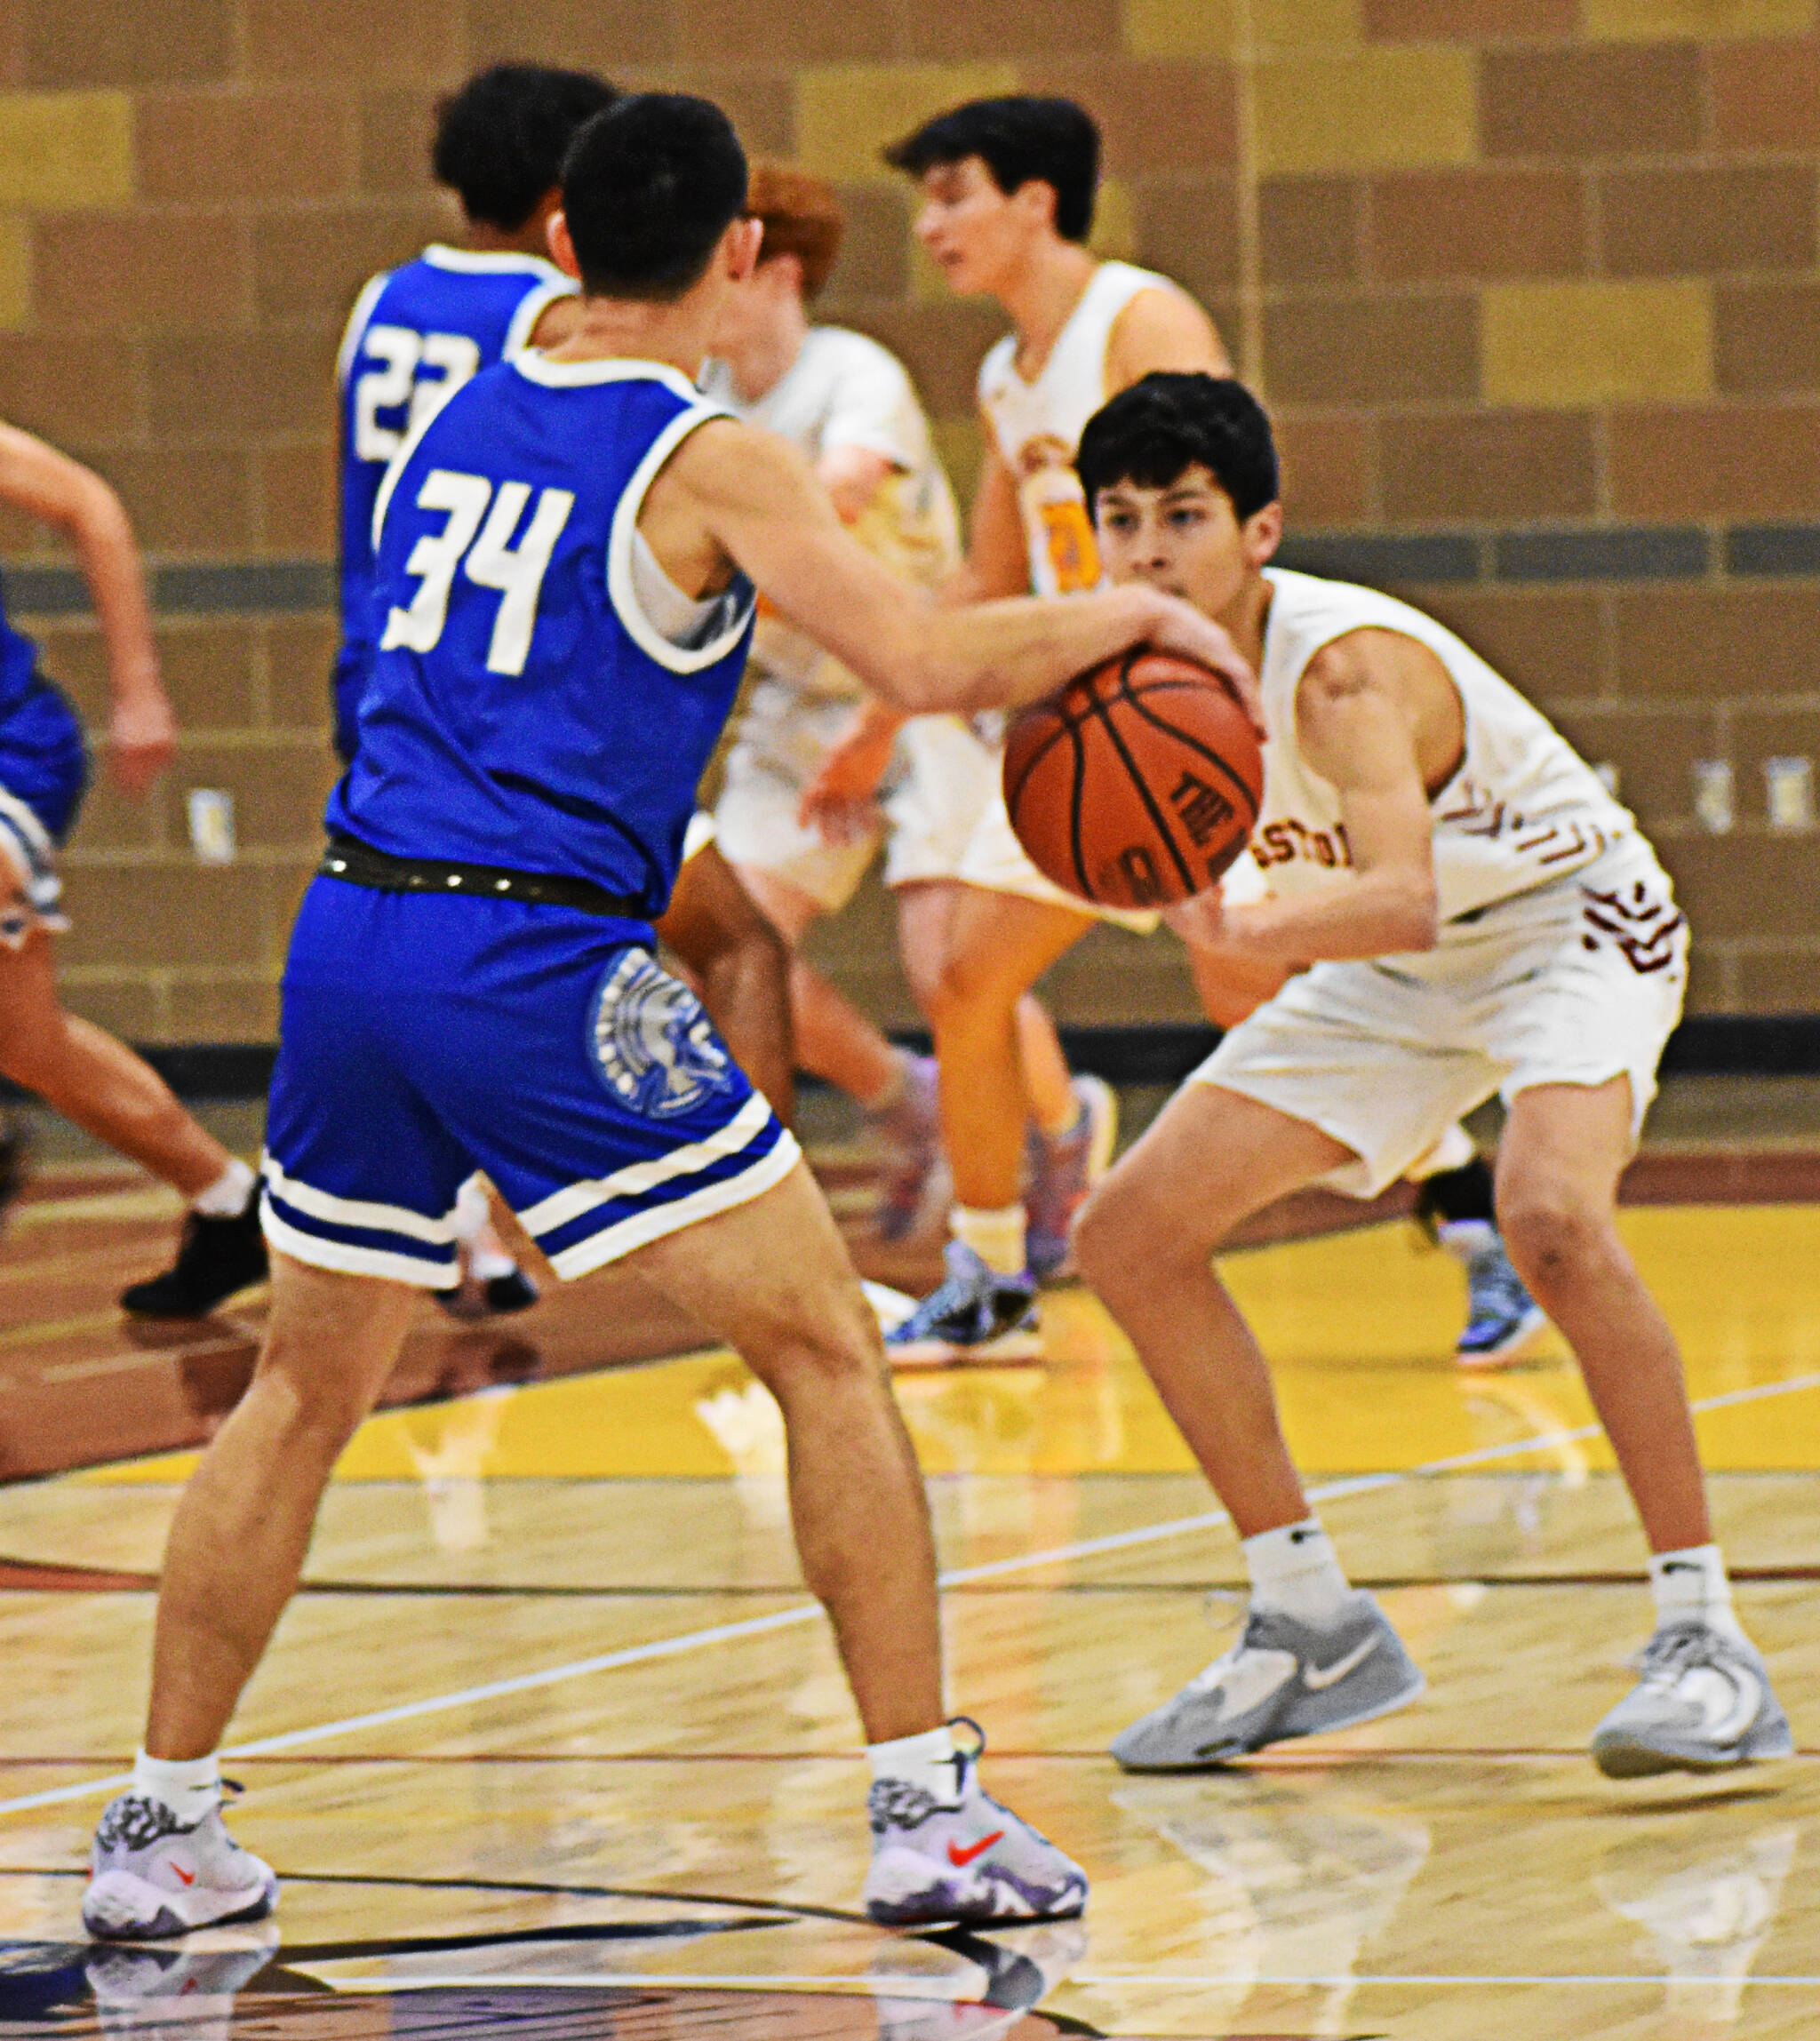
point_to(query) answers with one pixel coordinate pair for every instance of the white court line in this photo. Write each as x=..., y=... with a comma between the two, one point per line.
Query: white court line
x=808, y=1612
x=1624, y=1977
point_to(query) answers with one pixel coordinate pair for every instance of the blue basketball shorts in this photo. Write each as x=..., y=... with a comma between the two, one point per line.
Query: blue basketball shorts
x=423, y=1038
x=43, y=775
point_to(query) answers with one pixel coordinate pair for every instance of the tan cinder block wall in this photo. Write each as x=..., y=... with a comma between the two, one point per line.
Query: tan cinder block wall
x=1532, y=286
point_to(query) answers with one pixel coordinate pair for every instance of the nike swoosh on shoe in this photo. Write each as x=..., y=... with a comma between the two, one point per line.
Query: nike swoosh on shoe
x=1317, y=1678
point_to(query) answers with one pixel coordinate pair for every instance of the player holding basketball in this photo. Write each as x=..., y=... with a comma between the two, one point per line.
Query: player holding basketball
x=566, y=556
x=1487, y=918
x=1008, y=187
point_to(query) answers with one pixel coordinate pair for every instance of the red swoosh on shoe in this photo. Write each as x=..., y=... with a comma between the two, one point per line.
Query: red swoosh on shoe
x=960, y=1858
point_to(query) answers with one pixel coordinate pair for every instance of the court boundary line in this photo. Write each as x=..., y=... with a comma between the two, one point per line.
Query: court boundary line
x=806, y=1611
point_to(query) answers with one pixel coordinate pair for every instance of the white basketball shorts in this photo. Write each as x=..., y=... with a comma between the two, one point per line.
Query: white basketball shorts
x=1576, y=982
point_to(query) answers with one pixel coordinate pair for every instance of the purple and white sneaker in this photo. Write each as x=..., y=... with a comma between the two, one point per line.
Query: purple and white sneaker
x=152, y=1875
x=968, y=1859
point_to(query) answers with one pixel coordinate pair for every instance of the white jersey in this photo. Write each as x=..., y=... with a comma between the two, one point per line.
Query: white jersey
x=845, y=390
x=1522, y=811
x=1038, y=426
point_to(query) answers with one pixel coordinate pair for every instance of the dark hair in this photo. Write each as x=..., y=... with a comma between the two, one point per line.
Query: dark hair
x=1019, y=140
x=500, y=140
x=1162, y=425
x=802, y=216
x=648, y=187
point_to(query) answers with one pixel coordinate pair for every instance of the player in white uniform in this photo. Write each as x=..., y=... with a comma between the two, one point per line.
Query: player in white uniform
x=1487, y=918
x=850, y=406
x=1008, y=186
x=1008, y=189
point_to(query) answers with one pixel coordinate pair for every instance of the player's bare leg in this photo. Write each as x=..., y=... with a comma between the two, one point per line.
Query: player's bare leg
x=243, y=1526
x=772, y=1278
x=1315, y=1655
x=834, y=1040
x=984, y=1311
x=1704, y=1703
x=94, y=1080
x=1564, y=1148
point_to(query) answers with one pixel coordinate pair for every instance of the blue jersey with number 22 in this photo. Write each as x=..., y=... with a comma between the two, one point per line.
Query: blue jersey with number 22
x=523, y=711
x=416, y=335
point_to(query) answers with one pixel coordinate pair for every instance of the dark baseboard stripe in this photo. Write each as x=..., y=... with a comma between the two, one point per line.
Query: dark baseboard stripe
x=1708, y=1045
x=1488, y=557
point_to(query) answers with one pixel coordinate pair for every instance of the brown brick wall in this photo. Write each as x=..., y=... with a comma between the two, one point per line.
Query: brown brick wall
x=1534, y=289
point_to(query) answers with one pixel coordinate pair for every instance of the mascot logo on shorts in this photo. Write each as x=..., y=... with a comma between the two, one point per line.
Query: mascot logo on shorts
x=653, y=1044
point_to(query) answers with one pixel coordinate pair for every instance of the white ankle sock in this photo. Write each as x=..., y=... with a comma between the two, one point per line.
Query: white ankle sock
x=996, y=1237
x=189, y=1786
x=926, y=1760
x=225, y=1197
x=1691, y=1585
x=1294, y=1569
x=488, y=1262
x=1464, y=1237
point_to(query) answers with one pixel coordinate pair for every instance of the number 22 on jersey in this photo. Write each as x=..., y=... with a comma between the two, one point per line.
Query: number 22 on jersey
x=491, y=562
x=453, y=357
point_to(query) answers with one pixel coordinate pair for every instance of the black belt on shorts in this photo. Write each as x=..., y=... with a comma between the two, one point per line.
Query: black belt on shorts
x=347, y=857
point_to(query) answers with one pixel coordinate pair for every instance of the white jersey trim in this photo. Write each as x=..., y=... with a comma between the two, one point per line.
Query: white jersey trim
x=538, y=368
x=345, y=1259
x=622, y=586
x=531, y=307
x=388, y=482
x=495, y=262
x=575, y=1199
x=355, y=331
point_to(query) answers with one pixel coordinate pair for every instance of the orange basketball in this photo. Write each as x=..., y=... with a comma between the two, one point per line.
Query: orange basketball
x=1136, y=786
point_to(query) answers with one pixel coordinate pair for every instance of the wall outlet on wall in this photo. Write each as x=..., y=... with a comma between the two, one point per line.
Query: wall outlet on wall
x=1788, y=794
x=1712, y=795
x=212, y=825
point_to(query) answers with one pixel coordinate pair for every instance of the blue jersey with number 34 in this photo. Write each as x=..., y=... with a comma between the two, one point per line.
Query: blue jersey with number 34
x=523, y=711
x=416, y=335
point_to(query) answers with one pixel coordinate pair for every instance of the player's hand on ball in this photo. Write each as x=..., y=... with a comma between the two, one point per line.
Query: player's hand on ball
x=141, y=739
x=1183, y=630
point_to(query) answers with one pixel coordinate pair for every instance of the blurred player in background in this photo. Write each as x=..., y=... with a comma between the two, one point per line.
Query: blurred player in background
x=416, y=335
x=851, y=407
x=70, y=1064
x=1486, y=918
x=1009, y=188
x=1008, y=195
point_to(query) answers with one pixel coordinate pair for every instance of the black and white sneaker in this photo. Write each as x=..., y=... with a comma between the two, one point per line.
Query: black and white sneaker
x=1704, y=1703
x=977, y=1315
x=498, y=1296
x=1282, y=1679
x=215, y=1257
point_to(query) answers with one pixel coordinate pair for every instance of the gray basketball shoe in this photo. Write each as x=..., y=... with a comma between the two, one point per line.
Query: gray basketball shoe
x=1704, y=1703
x=967, y=1860
x=152, y=1875
x=1282, y=1679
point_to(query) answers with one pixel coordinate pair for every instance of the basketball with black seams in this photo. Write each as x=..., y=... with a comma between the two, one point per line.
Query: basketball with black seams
x=1136, y=784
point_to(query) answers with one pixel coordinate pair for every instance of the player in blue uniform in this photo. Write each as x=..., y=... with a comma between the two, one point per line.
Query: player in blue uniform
x=567, y=555
x=418, y=333
x=70, y=1063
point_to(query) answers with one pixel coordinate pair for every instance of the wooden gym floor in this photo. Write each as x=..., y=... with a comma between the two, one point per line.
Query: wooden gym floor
x=554, y=1746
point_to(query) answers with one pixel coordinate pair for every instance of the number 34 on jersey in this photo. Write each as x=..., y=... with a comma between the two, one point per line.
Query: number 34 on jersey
x=480, y=524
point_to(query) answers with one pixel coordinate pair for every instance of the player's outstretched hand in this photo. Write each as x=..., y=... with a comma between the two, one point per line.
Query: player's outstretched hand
x=141, y=739
x=1186, y=633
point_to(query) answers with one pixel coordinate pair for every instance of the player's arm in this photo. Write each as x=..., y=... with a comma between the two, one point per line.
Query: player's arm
x=1162, y=329
x=62, y=493
x=757, y=498
x=741, y=969
x=1357, y=726
x=997, y=562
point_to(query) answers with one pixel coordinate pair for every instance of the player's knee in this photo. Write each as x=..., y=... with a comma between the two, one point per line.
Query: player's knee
x=971, y=984
x=839, y=1343
x=1551, y=1230
x=1116, y=1233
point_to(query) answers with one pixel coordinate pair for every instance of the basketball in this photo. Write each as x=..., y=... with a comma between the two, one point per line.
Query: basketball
x=1138, y=785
